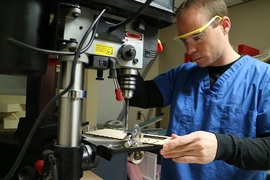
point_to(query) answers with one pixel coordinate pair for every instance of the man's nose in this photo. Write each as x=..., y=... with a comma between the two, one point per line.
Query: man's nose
x=190, y=48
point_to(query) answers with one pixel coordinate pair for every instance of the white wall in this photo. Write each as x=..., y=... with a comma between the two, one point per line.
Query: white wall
x=251, y=24
x=12, y=85
x=108, y=107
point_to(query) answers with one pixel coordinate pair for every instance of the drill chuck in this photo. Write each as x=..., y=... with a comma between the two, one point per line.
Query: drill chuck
x=128, y=82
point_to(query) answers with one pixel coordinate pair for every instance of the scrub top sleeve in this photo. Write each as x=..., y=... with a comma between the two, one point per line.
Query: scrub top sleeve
x=165, y=86
x=167, y=81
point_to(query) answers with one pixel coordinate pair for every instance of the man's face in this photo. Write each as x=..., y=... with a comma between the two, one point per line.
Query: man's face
x=204, y=47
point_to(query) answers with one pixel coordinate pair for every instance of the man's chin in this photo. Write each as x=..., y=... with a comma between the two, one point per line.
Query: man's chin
x=201, y=65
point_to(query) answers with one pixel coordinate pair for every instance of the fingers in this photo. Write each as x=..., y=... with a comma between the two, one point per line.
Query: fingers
x=178, y=141
x=175, y=154
x=198, y=147
x=174, y=136
x=190, y=159
x=176, y=147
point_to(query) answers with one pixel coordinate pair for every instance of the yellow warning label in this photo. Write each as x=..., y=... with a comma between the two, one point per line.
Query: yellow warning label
x=102, y=49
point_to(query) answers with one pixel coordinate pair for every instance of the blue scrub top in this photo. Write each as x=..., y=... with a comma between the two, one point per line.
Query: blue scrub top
x=237, y=104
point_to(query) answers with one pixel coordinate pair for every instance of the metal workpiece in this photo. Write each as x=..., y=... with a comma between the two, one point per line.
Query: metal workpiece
x=133, y=137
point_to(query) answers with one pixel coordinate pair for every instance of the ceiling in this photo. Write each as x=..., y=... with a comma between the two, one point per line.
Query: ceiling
x=228, y=2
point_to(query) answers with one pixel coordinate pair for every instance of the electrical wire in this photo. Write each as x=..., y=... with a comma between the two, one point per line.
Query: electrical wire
x=11, y=40
x=132, y=17
x=54, y=99
x=91, y=40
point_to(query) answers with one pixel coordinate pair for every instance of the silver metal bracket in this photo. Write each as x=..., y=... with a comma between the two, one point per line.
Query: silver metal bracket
x=133, y=137
x=77, y=94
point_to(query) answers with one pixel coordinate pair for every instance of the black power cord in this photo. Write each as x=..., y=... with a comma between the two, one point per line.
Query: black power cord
x=132, y=17
x=54, y=99
x=15, y=42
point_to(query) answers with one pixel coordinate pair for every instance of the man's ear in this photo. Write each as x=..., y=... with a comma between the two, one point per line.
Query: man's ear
x=225, y=24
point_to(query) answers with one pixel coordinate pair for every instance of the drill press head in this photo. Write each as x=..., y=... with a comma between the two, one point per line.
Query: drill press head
x=127, y=47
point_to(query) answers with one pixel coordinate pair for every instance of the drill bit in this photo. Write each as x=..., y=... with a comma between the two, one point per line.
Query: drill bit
x=126, y=113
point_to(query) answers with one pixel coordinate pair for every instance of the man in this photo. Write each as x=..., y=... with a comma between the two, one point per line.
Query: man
x=219, y=106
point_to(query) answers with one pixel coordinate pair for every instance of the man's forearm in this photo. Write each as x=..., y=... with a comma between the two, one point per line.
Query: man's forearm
x=146, y=95
x=245, y=153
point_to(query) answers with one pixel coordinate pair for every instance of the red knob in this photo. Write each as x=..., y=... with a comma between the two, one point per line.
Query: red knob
x=39, y=166
x=118, y=94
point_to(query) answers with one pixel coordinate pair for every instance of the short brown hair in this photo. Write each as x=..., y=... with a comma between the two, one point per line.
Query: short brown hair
x=210, y=7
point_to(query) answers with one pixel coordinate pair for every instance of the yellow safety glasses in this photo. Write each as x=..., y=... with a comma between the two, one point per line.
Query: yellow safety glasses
x=195, y=36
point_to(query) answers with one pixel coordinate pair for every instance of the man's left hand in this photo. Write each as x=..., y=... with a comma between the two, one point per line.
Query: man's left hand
x=197, y=147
